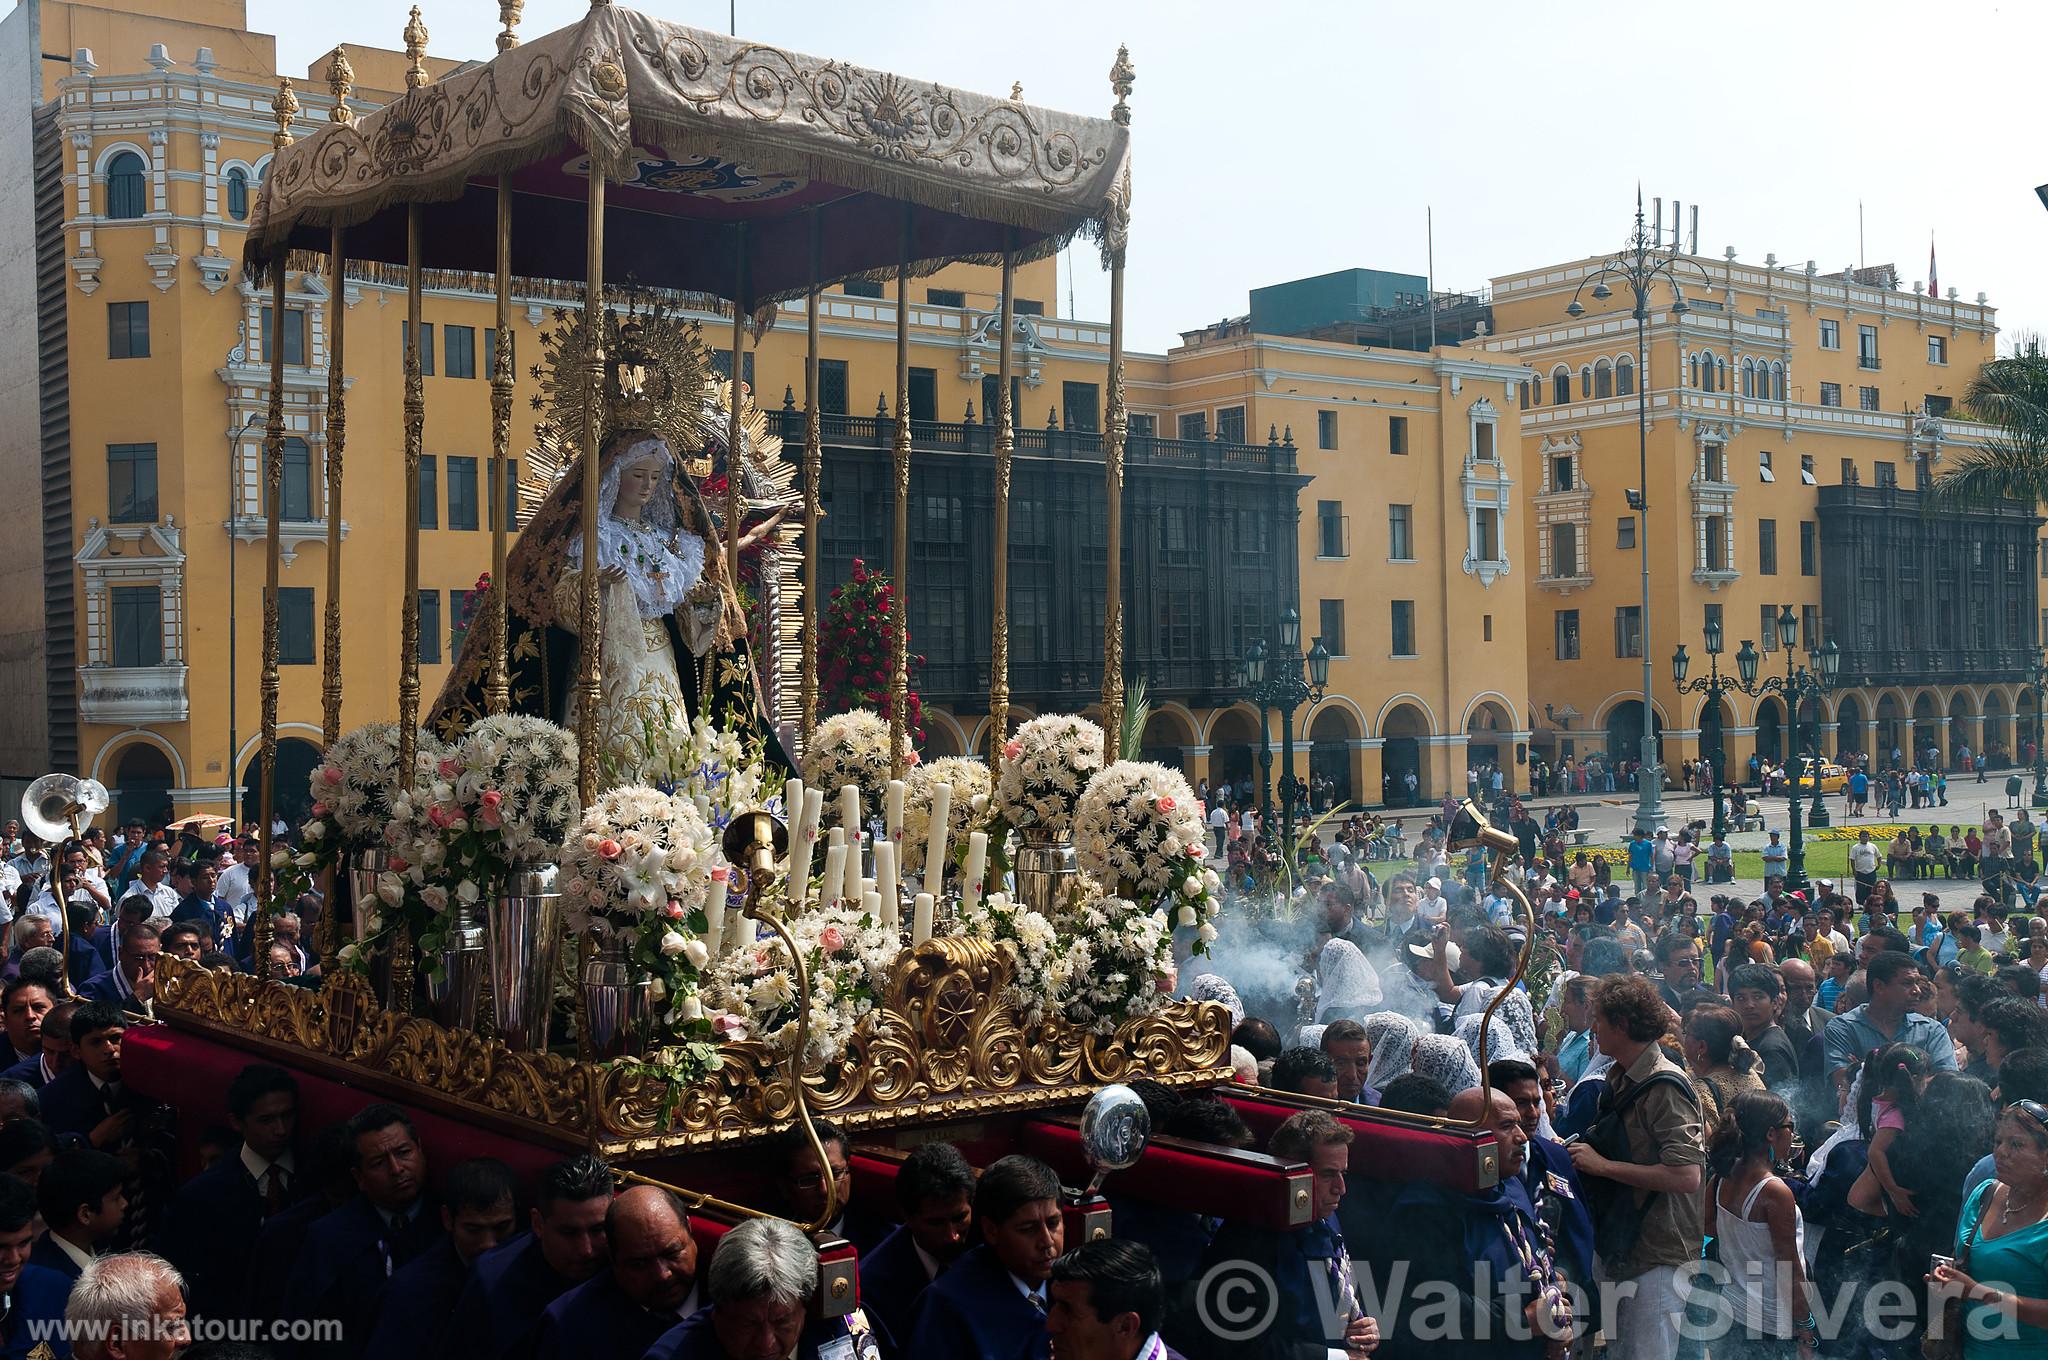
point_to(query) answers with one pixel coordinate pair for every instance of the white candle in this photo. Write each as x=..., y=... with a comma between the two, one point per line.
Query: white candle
x=714, y=910
x=935, y=847
x=892, y=809
x=868, y=885
x=885, y=881
x=835, y=866
x=850, y=887
x=871, y=906
x=921, y=919
x=849, y=812
x=803, y=843
x=792, y=804
x=971, y=873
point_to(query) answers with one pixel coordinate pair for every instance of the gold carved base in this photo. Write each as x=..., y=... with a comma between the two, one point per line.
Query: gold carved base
x=942, y=1045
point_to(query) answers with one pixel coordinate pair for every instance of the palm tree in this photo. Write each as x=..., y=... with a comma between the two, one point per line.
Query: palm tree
x=2012, y=395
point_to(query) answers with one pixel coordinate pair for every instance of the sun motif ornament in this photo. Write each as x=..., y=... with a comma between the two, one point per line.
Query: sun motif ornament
x=1138, y=825
x=1046, y=765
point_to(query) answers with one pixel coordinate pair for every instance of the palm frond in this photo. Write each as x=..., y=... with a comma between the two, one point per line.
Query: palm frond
x=1997, y=470
x=1137, y=712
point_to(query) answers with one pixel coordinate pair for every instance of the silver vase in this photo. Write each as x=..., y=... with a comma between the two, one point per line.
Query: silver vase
x=363, y=868
x=451, y=993
x=522, y=939
x=618, y=1002
x=1045, y=870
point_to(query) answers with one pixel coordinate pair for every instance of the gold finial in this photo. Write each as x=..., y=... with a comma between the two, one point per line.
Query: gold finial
x=341, y=80
x=508, y=15
x=286, y=107
x=1121, y=77
x=415, y=51
x=1016, y=91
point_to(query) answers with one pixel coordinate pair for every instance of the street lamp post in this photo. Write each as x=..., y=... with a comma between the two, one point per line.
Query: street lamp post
x=1640, y=265
x=1284, y=680
x=1714, y=687
x=2037, y=680
x=1798, y=685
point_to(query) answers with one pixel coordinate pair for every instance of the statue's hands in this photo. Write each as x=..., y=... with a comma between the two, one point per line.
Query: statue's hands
x=763, y=529
x=611, y=576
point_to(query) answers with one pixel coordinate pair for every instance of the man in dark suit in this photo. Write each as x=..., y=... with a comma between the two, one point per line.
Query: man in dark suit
x=23, y=1004
x=328, y=1184
x=935, y=1191
x=131, y=982
x=82, y=1199
x=1106, y=1302
x=512, y=1285
x=1312, y=1307
x=800, y=1183
x=1548, y=1176
x=991, y=1305
x=650, y=1285
x=217, y=1215
x=35, y=1295
x=477, y=1209
x=56, y=1055
x=762, y=1280
x=87, y=1100
x=350, y=1254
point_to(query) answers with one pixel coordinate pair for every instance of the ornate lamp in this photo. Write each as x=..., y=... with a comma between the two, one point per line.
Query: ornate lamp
x=1290, y=629
x=1319, y=668
x=1745, y=663
x=1831, y=661
x=1680, y=662
x=1255, y=664
x=1788, y=629
x=1713, y=633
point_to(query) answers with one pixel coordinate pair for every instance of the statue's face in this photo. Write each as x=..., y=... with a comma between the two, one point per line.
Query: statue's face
x=637, y=485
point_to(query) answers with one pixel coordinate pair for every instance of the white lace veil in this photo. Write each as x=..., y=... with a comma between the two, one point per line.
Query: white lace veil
x=660, y=576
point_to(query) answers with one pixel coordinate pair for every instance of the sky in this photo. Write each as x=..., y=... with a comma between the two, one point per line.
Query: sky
x=1289, y=138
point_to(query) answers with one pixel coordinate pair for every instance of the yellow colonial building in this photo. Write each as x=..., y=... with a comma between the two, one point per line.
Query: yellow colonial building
x=1794, y=417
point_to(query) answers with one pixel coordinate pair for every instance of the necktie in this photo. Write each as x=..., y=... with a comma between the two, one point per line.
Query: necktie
x=398, y=1237
x=1037, y=1302
x=275, y=1190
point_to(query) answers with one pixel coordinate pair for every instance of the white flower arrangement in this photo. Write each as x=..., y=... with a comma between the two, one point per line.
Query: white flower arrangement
x=718, y=770
x=852, y=748
x=1138, y=825
x=1046, y=765
x=1045, y=963
x=358, y=789
x=1122, y=956
x=971, y=808
x=635, y=859
x=751, y=992
x=513, y=779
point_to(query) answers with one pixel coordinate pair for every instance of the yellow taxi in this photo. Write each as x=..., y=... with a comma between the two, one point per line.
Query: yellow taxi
x=1832, y=776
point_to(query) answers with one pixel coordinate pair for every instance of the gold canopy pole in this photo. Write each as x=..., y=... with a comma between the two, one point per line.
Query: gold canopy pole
x=340, y=81
x=735, y=460
x=590, y=617
x=899, y=642
x=497, y=685
x=286, y=107
x=814, y=470
x=415, y=430
x=1005, y=446
x=1121, y=77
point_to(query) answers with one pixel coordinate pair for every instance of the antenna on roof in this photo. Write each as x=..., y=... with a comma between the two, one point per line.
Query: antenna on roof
x=1429, y=288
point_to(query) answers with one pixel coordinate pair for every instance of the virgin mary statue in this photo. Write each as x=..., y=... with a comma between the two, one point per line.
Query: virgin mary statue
x=673, y=637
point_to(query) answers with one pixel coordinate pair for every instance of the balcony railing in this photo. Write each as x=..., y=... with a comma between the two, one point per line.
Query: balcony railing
x=133, y=694
x=973, y=436
x=1868, y=361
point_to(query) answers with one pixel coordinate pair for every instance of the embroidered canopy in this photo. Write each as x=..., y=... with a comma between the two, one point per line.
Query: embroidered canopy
x=698, y=133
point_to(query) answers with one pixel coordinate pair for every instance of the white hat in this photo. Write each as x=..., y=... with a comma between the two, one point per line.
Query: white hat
x=1663, y=830
x=1437, y=883
x=1451, y=955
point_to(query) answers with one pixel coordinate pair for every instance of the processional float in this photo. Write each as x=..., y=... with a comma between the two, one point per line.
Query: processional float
x=715, y=173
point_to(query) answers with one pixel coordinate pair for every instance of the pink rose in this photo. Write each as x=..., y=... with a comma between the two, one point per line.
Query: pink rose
x=720, y=874
x=674, y=910
x=331, y=774
x=319, y=809
x=607, y=848
x=729, y=1027
x=450, y=767
x=490, y=818
x=399, y=864
x=438, y=816
x=830, y=940
x=1012, y=749
x=1165, y=803
x=491, y=798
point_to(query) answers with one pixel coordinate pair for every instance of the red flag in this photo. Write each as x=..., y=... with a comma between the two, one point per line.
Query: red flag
x=1933, y=275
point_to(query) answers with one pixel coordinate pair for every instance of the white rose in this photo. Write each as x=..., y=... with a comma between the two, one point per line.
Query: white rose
x=691, y=1009
x=658, y=989
x=315, y=830
x=390, y=889
x=697, y=953
x=467, y=892
x=1191, y=886
x=1210, y=880
x=1187, y=916
x=671, y=944
x=1207, y=934
x=348, y=955
x=435, y=897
